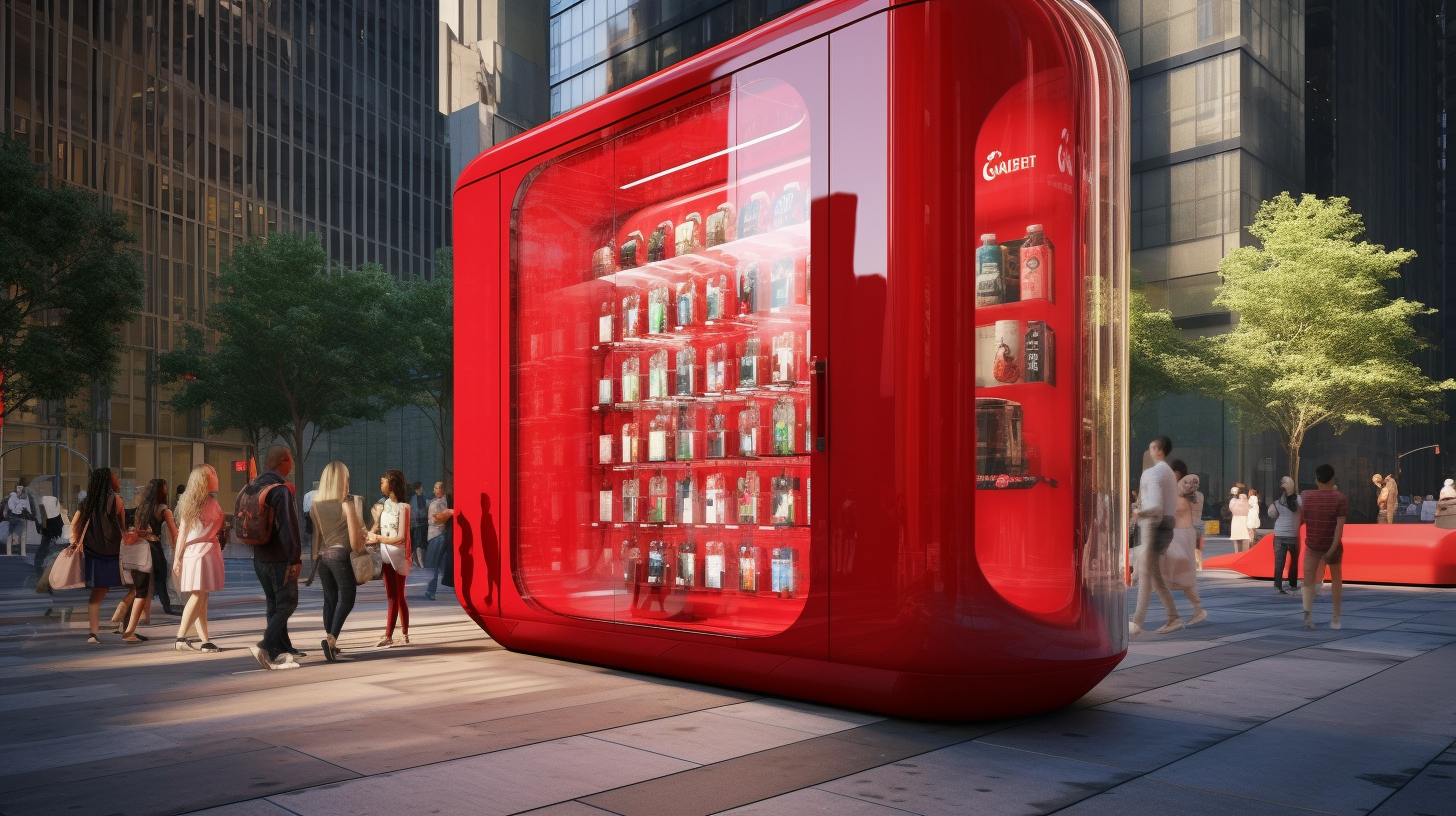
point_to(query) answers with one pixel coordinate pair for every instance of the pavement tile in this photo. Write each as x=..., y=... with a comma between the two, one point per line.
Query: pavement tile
x=979, y=778
x=1306, y=763
x=1250, y=693
x=69, y=696
x=28, y=757
x=1183, y=667
x=813, y=800
x=130, y=761
x=1108, y=738
x=572, y=808
x=736, y=782
x=1392, y=644
x=800, y=716
x=1413, y=696
x=1139, y=653
x=1145, y=796
x=1431, y=793
x=494, y=784
x=177, y=788
x=702, y=737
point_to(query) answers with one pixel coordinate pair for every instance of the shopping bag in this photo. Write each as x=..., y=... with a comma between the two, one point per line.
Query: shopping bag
x=69, y=569
x=1178, y=565
x=136, y=555
x=363, y=565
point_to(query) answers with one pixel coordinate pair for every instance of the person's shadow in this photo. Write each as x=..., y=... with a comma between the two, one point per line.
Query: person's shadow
x=489, y=543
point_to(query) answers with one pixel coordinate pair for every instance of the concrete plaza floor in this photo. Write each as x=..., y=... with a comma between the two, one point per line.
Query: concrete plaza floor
x=1245, y=713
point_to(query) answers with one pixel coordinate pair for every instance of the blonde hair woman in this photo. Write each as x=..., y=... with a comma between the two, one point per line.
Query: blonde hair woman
x=198, y=563
x=339, y=532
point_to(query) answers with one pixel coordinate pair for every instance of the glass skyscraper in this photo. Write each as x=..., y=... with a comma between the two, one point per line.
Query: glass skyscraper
x=208, y=122
x=1235, y=101
x=598, y=46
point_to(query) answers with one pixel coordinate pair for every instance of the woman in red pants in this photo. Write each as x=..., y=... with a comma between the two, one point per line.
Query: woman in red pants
x=391, y=533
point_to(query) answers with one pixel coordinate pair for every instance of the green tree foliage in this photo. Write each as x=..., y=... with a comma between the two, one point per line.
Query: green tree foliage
x=68, y=284
x=302, y=346
x=426, y=309
x=1319, y=339
x=1160, y=361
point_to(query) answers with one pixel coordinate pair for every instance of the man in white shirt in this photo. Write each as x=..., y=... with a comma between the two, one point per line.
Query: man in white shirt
x=21, y=514
x=438, y=534
x=1157, y=509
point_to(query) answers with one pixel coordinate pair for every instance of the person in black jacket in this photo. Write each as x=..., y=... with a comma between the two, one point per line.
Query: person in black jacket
x=277, y=561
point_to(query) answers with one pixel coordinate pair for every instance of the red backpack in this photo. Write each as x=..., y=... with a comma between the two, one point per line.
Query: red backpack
x=253, y=521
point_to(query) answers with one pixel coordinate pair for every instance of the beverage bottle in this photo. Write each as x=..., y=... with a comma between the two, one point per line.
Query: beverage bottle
x=990, y=286
x=1036, y=265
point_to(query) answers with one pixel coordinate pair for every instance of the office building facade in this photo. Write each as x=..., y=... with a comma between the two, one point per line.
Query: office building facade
x=210, y=122
x=598, y=46
x=1238, y=100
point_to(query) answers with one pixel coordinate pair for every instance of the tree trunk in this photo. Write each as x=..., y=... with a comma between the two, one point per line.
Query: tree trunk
x=1292, y=446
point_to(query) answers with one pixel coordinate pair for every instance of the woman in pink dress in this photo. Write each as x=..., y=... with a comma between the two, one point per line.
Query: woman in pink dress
x=198, y=562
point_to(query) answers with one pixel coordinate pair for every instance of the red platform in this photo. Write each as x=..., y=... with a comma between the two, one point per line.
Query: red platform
x=1413, y=554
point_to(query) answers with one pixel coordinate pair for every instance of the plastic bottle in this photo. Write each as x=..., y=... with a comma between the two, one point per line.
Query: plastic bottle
x=1036, y=265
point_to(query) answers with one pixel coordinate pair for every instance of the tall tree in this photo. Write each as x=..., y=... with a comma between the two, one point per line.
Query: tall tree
x=1319, y=339
x=68, y=284
x=426, y=307
x=1160, y=360
x=303, y=346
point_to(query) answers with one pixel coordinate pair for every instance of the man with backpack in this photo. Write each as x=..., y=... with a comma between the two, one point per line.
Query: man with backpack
x=266, y=520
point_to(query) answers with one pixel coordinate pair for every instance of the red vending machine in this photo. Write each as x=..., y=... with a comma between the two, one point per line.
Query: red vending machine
x=800, y=366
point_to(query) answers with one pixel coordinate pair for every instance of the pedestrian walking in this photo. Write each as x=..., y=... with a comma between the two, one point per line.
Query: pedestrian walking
x=1178, y=564
x=20, y=512
x=1428, y=509
x=338, y=534
x=1323, y=513
x=267, y=519
x=1157, y=510
x=391, y=533
x=52, y=524
x=1446, y=506
x=97, y=528
x=1387, y=500
x=153, y=518
x=1180, y=470
x=197, y=563
x=438, y=536
x=1239, y=523
x=1256, y=519
x=419, y=523
x=1285, y=512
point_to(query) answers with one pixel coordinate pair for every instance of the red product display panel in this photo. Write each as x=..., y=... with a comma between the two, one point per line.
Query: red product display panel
x=799, y=366
x=1407, y=554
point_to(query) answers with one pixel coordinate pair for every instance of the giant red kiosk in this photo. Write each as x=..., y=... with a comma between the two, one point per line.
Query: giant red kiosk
x=800, y=365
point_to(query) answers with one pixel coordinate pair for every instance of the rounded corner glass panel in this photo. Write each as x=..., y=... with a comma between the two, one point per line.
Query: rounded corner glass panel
x=660, y=370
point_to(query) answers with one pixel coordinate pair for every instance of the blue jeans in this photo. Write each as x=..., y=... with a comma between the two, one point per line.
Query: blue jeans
x=435, y=555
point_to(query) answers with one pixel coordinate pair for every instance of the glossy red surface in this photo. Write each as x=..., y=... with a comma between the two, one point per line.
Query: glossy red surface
x=914, y=592
x=1412, y=554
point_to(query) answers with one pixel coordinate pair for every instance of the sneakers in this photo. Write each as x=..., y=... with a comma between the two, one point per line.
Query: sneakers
x=1283, y=591
x=262, y=657
x=287, y=663
x=1199, y=614
x=1171, y=626
x=1335, y=623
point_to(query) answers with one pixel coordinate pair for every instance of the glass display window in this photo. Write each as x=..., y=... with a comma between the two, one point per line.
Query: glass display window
x=667, y=266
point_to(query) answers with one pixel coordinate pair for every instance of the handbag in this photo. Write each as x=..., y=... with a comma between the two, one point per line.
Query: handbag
x=69, y=569
x=363, y=565
x=136, y=553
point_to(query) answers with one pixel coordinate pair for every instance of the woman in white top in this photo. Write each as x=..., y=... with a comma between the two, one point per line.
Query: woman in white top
x=1239, y=520
x=197, y=565
x=1255, y=520
x=391, y=532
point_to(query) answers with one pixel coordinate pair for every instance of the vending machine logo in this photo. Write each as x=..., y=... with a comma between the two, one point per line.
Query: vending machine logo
x=1064, y=153
x=996, y=165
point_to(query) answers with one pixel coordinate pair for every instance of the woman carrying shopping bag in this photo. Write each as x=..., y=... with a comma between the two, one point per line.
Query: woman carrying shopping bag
x=99, y=524
x=391, y=533
x=339, y=531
